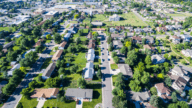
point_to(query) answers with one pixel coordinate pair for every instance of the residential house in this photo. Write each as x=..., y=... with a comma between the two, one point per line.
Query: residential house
x=185, y=38
x=163, y=91
x=18, y=35
x=115, y=17
x=43, y=94
x=13, y=63
x=38, y=43
x=51, y=14
x=136, y=39
x=177, y=27
x=139, y=96
x=112, y=30
x=148, y=30
x=62, y=45
x=178, y=71
x=57, y=55
x=39, y=11
x=149, y=47
x=89, y=71
x=157, y=59
x=179, y=83
x=117, y=44
x=10, y=73
x=149, y=40
x=126, y=70
x=6, y=46
x=2, y=84
x=91, y=44
x=98, y=29
x=138, y=30
x=117, y=36
x=76, y=93
x=120, y=56
x=49, y=71
x=31, y=50
x=73, y=30
x=119, y=28
x=187, y=52
x=91, y=55
x=97, y=23
x=163, y=29
x=67, y=36
x=90, y=36
x=175, y=39
x=169, y=27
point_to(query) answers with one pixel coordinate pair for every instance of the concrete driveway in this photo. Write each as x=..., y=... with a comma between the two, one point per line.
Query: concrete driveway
x=80, y=105
x=40, y=103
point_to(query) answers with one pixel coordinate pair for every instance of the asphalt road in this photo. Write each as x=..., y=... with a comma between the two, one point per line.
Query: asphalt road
x=16, y=96
x=107, y=76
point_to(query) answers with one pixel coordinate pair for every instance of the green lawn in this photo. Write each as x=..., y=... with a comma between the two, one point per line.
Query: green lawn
x=97, y=96
x=86, y=20
x=54, y=103
x=68, y=26
x=179, y=14
x=32, y=103
x=128, y=18
x=48, y=41
x=114, y=78
x=99, y=17
x=4, y=28
x=114, y=66
x=74, y=22
x=46, y=63
x=15, y=47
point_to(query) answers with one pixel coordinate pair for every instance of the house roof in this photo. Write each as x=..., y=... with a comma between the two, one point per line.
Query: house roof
x=149, y=47
x=90, y=35
x=162, y=88
x=8, y=45
x=175, y=37
x=97, y=23
x=126, y=70
x=45, y=93
x=155, y=58
x=151, y=39
x=137, y=38
x=48, y=71
x=38, y=43
x=79, y=93
x=117, y=43
x=180, y=83
x=117, y=35
x=139, y=96
x=63, y=44
x=57, y=55
x=98, y=29
x=179, y=70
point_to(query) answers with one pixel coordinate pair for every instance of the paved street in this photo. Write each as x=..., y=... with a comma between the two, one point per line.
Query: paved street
x=107, y=76
x=16, y=96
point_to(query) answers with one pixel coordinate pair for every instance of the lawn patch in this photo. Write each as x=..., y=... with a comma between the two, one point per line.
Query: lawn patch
x=68, y=26
x=4, y=28
x=114, y=66
x=54, y=103
x=114, y=78
x=31, y=103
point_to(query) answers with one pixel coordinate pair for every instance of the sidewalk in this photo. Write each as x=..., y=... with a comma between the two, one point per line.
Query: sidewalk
x=40, y=103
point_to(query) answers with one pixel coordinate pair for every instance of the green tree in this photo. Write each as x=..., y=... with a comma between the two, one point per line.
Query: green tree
x=190, y=93
x=8, y=89
x=153, y=91
x=131, y=58
x=134, y=86
x=174, y=97
x=20, y=105
x=26, y=92
x=61, y=70
x=116, y=59
x=123, y=50
x=154, y=101
x=81, y=83
x=52, y=82
x=48, y=37
x=57, y=38
x=99, y=74
x=168, y=81
x=148, y=60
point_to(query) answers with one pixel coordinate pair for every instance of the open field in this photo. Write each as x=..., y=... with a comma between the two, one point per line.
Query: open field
x=4, y=28
x=179, y=14
x=128, y=18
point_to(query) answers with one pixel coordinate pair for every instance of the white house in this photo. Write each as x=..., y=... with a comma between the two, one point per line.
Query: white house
x=91, y=55
x=17, y=66
x=89, y=71
x=187, y=52
x=48, y=71
x=175, y=39
x=186, y=38
x=67, y=36
x=157, y=59
x=115, y=17
x=178, y=71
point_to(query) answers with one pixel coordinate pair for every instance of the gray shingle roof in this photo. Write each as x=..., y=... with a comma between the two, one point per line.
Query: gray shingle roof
x=80, y=93
x=125, y=69
x=48, y=71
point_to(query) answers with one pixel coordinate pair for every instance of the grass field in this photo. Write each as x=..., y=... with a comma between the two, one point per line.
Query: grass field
x=128, y=18
x=86, y=20
x=4, y=28
x=114, y=66
x=53, y=103
x=179, y=14
x=32, y=103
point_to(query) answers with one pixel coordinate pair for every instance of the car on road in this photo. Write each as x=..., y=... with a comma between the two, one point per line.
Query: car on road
x=103, y=77
x=108, y=59
x=102, y=53
x=103, y=60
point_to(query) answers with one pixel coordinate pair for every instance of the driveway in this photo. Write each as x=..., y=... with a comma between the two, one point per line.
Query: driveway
x=80, y=105
x=107, y=76
x=40, y=103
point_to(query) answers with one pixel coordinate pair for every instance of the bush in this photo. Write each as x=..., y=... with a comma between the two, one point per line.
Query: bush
x=153, y=91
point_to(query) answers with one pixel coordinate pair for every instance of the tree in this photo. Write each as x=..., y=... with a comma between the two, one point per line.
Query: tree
x=26, y=92
x=174, y=97
x=134, y=86
x=48, y=37
x=131, y=58
x=61, y=70
x=8, y=89
x=114, y=54
x=186, y=29
x=182, y=104
x=20, y=105
x=128, y=43
x=145, y=79
x=123, y=50
x=109, y=4
x=148, y=60
x=168, y=81
x=25, y=43
x=190, y=93
x=117, y=102
x=121, y=94
x=191, y=33
x=154, y=101
x=109, y=39
x=57, y=38
x=76, y=16
x=157, y=42
x=52, y=82
x=167, y=37
x=116, y=59
x=81, y=83
x=99, y=74
x=8, y=39
x=153, y=91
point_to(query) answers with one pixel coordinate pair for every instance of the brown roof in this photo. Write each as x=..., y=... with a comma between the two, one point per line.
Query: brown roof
x=98, y=29
x=162, y=88
x=63, y=44
x=116, y=35
x=45, y=93
x=149, y=47
x=164, y=96
x=90, y=35
x=49, y=30
x=57, y=55
x=38, y=42
x=120, y=27
x=176, y=37
x=137, y=38
x=91, y=44
x=42, y=22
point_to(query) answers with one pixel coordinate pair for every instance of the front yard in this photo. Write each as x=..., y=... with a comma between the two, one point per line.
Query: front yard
x=114, y=66
x=54, y=103
x=31, y=103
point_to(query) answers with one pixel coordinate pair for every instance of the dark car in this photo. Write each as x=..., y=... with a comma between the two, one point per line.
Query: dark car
x=103, y=77
x=77, y=102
